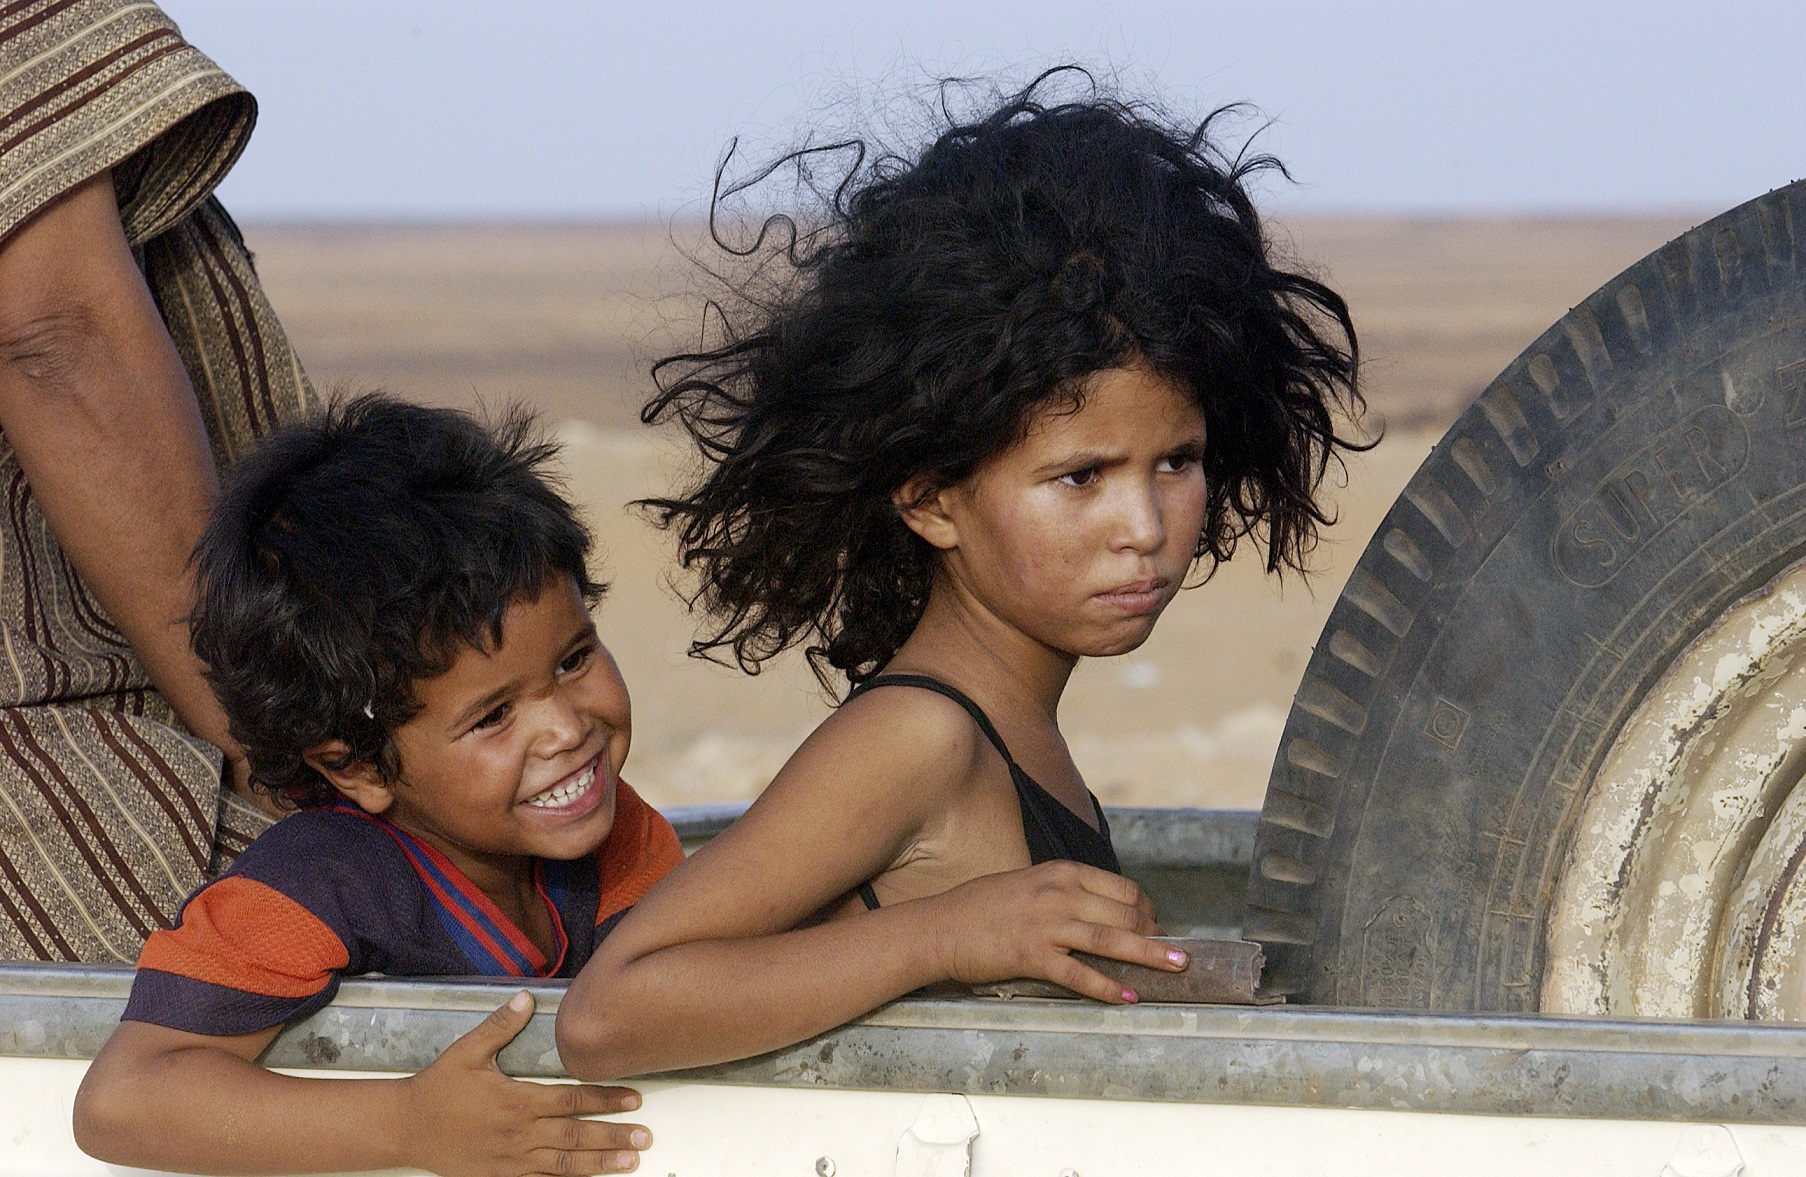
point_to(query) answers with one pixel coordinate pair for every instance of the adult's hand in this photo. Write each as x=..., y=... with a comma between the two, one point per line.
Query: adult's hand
x=96, y=404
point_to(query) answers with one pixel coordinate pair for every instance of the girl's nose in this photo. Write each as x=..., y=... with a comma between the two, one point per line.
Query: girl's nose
x=1140, y=525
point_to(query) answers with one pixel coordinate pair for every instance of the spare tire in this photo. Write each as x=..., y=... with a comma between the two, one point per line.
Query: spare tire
x=1631, y=481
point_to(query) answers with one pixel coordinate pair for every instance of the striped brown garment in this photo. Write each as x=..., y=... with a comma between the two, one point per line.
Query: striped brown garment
x=110, y=812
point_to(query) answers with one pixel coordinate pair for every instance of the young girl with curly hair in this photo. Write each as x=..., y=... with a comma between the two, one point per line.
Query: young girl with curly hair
x=1015, y=391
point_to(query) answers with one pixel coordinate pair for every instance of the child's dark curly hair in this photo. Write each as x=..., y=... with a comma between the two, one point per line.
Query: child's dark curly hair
x=358, y=552
x=939, y=303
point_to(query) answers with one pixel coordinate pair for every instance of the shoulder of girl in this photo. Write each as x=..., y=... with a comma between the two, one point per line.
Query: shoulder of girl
x=914, y=731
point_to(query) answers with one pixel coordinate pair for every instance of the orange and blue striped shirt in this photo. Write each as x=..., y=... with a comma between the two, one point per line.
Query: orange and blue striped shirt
x=334, y=892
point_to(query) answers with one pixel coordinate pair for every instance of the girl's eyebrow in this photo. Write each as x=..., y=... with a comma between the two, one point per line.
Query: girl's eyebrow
x=1086, y=459
x=1081, y=460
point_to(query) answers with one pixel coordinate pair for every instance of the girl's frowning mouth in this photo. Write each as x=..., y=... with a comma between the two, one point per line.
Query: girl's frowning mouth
x=1136, y=596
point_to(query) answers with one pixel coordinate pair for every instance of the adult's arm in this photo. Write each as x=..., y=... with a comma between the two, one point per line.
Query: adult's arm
x=99, y=409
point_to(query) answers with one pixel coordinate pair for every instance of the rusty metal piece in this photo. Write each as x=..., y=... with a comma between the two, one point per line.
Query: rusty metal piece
x=1216, y=972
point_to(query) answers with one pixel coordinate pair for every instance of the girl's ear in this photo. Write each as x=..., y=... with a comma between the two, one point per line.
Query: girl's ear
x=925, y=511
x=358, y=781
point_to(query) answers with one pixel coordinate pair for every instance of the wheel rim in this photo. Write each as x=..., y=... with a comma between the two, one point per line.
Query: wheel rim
x=1684, y=892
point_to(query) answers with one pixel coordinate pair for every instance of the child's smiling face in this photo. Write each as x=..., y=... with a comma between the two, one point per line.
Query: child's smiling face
x=1082, y=532
x=516, y=750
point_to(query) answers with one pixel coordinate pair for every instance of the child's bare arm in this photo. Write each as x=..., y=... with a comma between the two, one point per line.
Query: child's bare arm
x=167, y=1099
x=708, y=966
x=707, y=1001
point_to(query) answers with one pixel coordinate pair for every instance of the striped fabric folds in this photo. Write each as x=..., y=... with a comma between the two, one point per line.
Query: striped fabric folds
x=88, y=84
x=111, y=813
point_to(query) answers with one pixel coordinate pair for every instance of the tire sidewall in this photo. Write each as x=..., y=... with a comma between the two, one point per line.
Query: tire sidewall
x=1639, y=469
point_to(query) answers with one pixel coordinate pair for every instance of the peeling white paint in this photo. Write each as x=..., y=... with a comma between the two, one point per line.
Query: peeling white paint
x=1675, y=813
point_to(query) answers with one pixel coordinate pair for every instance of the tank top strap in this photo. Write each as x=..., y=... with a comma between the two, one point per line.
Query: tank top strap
x=1050, y=830
x=924, y=682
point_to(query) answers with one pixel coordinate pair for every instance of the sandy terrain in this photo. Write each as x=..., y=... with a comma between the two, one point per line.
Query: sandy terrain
x=566, y=318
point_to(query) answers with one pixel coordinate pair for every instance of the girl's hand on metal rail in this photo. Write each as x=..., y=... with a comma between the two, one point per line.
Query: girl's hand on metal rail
x=1027, y=923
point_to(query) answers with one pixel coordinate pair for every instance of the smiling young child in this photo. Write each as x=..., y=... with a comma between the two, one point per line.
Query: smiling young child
x=984, y=419
x=393, y=607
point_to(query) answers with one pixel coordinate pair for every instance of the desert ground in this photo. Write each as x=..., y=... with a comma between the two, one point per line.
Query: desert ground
x=568, y=317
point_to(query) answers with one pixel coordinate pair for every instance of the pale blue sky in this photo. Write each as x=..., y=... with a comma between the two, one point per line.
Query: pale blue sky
x=448, y=109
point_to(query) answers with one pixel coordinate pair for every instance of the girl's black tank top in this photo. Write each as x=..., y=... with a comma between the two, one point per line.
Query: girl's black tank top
x=1053, y=831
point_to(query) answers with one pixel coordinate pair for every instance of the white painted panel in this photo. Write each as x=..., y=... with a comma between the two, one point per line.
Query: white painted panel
x=723, y=1131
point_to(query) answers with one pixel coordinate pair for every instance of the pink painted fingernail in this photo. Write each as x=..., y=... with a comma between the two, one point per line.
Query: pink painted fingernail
x=1128, y=995
x=1176, y=957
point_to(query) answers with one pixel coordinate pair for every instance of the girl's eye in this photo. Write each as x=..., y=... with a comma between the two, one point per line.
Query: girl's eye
x=575, y=660
x=1083, y=477
x=495, y=716
x=1176, y=462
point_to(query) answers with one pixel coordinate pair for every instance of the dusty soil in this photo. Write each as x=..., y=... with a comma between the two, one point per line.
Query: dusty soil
x=568, y=317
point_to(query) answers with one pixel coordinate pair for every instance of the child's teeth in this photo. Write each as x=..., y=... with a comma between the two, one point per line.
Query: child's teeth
x=565, y=794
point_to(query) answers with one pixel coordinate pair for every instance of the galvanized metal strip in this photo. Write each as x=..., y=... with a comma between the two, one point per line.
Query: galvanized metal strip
x=1736, y=1072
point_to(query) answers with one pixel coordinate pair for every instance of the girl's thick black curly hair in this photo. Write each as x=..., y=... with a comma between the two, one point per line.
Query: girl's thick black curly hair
x=358, y=552
x=944, y=298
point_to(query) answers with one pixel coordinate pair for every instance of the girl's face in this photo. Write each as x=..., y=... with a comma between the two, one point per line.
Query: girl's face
x=1079, y=534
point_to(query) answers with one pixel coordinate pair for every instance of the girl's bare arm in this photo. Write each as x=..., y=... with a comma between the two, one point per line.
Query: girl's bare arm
x=712, y=964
